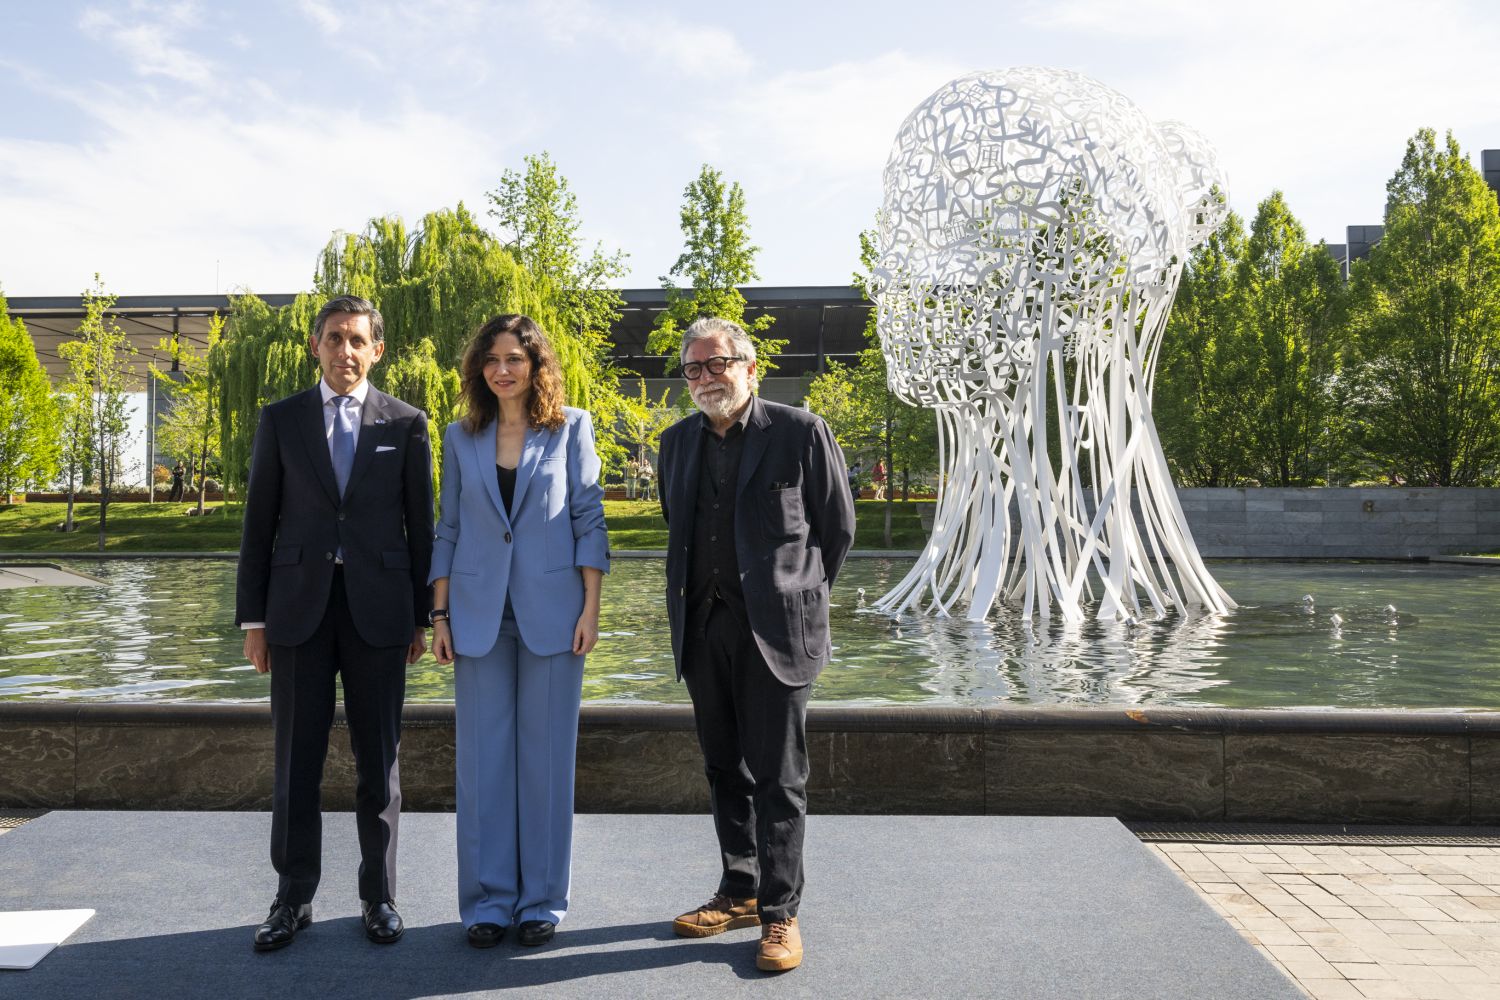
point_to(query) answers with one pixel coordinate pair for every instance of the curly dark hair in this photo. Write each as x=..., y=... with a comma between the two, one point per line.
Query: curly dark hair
x=546, y=401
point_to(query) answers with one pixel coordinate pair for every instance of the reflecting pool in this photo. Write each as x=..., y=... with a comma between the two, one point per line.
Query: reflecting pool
x=1374, y=635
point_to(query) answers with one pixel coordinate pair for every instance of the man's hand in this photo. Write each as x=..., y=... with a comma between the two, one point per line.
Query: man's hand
x=418, y=646
x=256, y=650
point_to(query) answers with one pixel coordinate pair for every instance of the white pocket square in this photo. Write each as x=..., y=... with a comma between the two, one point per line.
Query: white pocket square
x=384, y=447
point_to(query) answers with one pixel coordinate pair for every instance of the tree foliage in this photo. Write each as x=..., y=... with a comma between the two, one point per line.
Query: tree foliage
x=190, y=430
x=29, y=420
x=718, y=257
x=1427, y=324
x=99, y=381
x=540, y=222
x=434, y=287
x=863, y=413
x=1293, y=313
x=1203, y=371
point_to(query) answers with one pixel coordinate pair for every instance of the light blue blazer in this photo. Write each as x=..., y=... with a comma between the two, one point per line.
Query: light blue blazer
x=533, y=554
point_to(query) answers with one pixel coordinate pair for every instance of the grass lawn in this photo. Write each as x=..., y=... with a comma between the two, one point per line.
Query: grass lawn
x=164, y=527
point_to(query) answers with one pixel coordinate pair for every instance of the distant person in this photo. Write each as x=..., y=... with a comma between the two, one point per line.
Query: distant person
x=332, y=585
x=519, y=560
x=855, y=471
x=648, y=480
x=877, y=478
x=178, y=475
x=759, y=521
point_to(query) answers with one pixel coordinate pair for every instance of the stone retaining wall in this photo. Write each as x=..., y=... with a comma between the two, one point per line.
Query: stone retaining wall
x=1342, y=523
x=1204, y=765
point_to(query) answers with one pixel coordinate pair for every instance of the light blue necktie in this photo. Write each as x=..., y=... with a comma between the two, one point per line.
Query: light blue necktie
x=341, y=443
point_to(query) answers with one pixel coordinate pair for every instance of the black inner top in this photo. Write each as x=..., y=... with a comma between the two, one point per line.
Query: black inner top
x=507, y=479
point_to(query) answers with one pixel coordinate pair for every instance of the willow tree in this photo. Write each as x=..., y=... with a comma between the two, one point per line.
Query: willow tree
x=434, y=287
x=262, y=357
x=29, y=420
x=716, y=259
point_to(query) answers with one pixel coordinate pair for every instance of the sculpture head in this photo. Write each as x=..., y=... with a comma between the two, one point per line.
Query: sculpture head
x=1028, y=212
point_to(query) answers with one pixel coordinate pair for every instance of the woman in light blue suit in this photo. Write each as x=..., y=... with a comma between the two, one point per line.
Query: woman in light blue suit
x=517, y=565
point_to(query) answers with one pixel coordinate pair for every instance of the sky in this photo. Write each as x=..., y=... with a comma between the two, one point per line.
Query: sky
x=200, y=147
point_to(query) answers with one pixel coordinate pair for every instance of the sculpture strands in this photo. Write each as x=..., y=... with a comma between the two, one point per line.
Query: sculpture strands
x=1034, y=228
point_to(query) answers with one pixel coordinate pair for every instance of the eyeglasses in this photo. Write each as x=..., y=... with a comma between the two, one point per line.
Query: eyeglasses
x=693, y=370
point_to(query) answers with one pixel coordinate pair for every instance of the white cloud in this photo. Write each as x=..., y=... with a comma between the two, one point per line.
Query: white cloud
x=163, y=193
x=323, y=15
x=148, y=42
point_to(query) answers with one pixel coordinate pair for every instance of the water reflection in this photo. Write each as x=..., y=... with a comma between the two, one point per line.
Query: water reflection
x=1305, y=635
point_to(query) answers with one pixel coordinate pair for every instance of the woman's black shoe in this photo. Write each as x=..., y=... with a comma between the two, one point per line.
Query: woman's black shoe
x=485, y=935
x=537, y=932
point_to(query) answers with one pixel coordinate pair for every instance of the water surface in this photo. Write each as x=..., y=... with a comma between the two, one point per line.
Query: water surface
x=163, y=630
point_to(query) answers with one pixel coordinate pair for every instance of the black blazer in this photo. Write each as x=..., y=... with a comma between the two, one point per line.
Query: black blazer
x=793, y=525
x=295, y=521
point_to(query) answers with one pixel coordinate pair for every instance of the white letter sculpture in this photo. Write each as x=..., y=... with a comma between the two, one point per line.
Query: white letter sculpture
x=1034, y=229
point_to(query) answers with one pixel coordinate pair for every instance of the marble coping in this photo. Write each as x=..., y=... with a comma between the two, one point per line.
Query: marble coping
x=1189, y=764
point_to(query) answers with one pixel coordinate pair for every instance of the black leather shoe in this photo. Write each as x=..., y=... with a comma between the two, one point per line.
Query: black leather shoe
x=485, y=935
x=282, y=925
x=536, y=932
x=382, y=922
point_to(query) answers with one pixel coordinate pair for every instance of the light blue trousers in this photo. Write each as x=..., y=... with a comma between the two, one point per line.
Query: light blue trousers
x=517, y=739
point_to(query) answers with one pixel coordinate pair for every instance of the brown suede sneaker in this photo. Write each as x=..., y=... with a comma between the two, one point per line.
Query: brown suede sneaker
x=780, y=946
x=716, y=916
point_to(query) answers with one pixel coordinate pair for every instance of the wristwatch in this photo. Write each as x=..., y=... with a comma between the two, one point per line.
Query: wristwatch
x=437, y=615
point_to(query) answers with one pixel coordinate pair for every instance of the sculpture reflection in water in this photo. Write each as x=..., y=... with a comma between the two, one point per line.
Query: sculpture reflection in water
x=1061, y=662
x=1033, y=232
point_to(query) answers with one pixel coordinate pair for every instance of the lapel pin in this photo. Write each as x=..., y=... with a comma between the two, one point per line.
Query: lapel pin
x=380, y=420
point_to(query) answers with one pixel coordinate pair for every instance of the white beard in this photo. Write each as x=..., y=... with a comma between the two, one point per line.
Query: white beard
x=723, y=405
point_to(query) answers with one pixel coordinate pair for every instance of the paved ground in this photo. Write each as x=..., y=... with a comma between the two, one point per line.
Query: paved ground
x=1344, y=921
x=1041, y=908
x=1360, y=921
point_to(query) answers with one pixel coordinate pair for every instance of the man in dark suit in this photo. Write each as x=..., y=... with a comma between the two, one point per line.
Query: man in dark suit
x=332, y=583
x=759, y=521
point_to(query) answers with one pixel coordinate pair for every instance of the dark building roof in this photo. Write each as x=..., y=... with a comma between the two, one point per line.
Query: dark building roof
x=821, y=323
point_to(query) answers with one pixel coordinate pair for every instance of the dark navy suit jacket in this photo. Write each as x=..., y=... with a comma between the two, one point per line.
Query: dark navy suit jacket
x=295, y=522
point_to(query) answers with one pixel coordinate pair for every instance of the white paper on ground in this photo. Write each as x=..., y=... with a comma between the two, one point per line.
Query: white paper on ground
x=27, y=936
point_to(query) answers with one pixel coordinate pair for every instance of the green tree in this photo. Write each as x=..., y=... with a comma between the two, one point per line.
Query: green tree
x=190, y=429
x=434, y=287
x=1294, y=318
x=865, y=415
x=1204, y=372
x=29, y=420
x=717, y=259
x=539, y=220
x=99, y=373
x=1427, y=322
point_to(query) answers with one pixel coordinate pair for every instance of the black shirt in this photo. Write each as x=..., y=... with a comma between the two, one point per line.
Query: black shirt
x=507, y=480
x=713, y=568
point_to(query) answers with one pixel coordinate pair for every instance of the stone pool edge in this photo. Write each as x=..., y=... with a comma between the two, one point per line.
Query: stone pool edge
x=1199, y=765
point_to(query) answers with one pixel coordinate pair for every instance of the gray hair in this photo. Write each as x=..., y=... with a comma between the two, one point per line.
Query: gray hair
x=355, y=306
x=712, y=326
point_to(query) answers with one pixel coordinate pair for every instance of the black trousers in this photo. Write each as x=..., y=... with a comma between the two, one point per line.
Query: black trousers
x=752, y=730
x=302, y=704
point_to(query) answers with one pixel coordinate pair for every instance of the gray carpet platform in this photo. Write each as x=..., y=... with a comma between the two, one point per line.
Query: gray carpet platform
x=899, y=906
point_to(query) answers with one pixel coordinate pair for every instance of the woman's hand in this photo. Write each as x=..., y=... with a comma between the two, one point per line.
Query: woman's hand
x=442, y=642
x=586, y=632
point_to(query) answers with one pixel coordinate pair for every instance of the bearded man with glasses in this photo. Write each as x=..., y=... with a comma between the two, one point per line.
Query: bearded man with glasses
x=759, y=521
